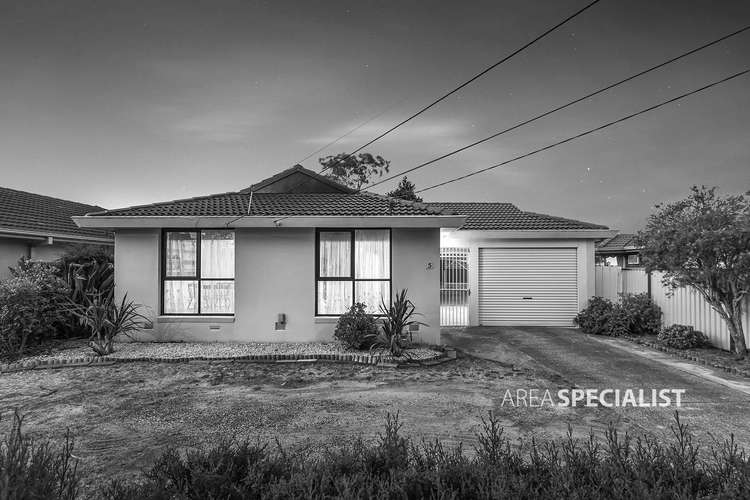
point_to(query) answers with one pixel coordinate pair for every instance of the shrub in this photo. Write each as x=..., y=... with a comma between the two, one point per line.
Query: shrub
x=619, y=466
x=397, y=317
x=594, y=318
x=682, y=337
x=30, y=306
x=636, y=315
x=105, y=320
x=645, y=316
x=30, y=469
x=356, y=328
x=84, y=254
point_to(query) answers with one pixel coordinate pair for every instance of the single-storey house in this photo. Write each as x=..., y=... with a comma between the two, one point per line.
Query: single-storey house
x=282, y=259
x=620, y=250
x=40, y=227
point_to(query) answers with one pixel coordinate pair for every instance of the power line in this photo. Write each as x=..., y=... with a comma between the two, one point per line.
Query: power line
x=588, y=132
x=478, y=75
x=559, y=108
x=350, y=132
x=461, y=86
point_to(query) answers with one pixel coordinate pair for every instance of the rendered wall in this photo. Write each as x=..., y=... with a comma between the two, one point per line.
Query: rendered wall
x=275, y=273
x=474, y=241
x=11, y=249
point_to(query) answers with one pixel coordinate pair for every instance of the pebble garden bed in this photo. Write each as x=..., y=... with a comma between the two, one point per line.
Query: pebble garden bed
x=79, y=354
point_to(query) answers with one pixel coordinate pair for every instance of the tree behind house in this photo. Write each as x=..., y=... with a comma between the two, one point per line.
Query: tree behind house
x=354, y=171
x=405, y=191
x=703, y=242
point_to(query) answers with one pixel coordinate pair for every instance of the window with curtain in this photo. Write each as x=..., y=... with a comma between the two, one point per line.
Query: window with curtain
x=198, y=272
x=352, y=266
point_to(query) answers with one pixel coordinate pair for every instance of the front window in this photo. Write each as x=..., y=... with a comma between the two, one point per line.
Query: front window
x=198, y=272
x=352, y=266
x=633, y=259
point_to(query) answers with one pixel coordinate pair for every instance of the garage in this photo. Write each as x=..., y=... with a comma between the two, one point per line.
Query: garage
x=528, y=286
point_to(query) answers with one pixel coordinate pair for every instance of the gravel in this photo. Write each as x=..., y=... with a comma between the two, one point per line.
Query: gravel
x=182, y=350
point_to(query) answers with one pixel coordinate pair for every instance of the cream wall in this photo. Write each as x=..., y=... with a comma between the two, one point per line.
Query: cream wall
x=474, y=240
x=11, y=250
x=275, y=273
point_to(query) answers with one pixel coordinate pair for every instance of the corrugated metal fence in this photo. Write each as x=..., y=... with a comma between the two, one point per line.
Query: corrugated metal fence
x=683, y=306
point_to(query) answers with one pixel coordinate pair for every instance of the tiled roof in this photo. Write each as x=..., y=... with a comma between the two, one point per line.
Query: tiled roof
x=508, y=217
x=298, y=171
x=618, y=243
x=44, y=215
x=279, y=204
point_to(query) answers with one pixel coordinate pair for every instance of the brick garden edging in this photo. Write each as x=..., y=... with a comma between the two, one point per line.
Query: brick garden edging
x=355, y=358
x=688, y=355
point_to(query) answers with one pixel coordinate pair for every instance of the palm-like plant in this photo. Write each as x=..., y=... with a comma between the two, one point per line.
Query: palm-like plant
x=105, y=319
x=397, y=317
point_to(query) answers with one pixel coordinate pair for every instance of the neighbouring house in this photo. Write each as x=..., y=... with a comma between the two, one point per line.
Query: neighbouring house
x=282, y=259
x=619, y=250
x=40, y=227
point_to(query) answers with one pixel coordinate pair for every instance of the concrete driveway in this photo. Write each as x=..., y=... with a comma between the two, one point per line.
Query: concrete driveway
x=572, y=359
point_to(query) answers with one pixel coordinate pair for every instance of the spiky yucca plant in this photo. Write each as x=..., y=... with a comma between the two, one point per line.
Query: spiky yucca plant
x=105, y=319
x=397, y=317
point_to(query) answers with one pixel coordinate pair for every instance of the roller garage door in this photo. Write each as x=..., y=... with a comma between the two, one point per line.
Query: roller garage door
x=528, y=286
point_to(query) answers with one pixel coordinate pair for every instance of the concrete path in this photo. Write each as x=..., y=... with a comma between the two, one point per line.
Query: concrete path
x=716, y=402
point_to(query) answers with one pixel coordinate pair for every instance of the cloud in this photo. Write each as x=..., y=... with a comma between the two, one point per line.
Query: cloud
x=219, y=126
x=412, y=132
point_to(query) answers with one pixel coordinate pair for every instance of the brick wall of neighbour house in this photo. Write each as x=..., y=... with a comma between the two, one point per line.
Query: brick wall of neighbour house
x=274, y=273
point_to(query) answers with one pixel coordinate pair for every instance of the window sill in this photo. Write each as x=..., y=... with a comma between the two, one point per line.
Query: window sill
x=195, y=319
x=326, y=320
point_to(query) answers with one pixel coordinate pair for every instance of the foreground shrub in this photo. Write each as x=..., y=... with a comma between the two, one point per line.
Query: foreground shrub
x=618, y=467
x=682, y=337
x=30, y=306
x=644, y=314
x=356, y=328
x=595, y=317
x=30, y=469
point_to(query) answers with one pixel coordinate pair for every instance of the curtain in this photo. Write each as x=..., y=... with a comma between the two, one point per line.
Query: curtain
x=217, y=254
x=373, y=293
x=372, y=254
x=334, y=297
x=181, y=250
x=335, y=254
x=180, y=297
x=217, y=297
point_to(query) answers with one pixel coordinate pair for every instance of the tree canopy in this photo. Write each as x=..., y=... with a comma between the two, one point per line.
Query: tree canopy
x=405, y=191
x=703, y=242
x=354, y=171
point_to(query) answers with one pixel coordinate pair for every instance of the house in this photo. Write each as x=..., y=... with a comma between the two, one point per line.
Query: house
x=40, y=227
x=282, y=259
x=523, y=268
x=620, y=250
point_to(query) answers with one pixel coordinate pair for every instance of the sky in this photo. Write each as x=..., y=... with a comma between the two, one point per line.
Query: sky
x=119, y=103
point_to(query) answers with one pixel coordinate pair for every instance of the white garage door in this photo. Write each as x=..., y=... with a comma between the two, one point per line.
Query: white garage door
x=528, y=286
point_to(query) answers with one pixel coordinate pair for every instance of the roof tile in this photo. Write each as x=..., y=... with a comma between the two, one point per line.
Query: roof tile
x=508, y=217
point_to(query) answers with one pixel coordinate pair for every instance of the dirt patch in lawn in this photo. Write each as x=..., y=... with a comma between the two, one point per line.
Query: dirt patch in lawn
x=124, y=416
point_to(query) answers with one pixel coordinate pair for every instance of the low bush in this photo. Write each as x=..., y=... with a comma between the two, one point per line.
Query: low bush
x=634, y=315
x=645, y=315
x=30, y=469
x=595, y=317
x=619, y=466
x=682, y=337
x=356, y=328
x=395, y=335
x=30, y=307
x=105, y=319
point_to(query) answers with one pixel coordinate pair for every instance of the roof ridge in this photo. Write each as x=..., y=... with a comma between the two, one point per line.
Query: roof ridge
x=416, y=204
x=598, y=226
x=51, y=197
x=158, y=203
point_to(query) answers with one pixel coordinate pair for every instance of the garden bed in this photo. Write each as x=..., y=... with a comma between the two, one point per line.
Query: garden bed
x=76, y=353
x=709, y=356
